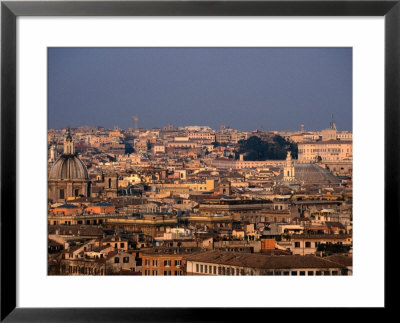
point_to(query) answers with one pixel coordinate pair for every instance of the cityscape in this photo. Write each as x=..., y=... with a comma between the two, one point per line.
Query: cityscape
x=196, y=200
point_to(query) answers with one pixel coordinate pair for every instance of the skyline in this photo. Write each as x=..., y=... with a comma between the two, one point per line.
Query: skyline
x=200, y=86
x=192, y=125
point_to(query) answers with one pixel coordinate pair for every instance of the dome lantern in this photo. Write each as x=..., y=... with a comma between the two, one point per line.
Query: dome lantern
x=69, y=148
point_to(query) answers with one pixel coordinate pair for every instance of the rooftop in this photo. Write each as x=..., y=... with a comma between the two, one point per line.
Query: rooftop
x=260, y=261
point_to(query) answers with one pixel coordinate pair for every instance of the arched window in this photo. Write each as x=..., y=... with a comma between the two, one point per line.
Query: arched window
x=109, y=182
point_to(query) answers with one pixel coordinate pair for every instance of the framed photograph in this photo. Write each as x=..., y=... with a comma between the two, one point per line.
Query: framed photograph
x=246, y=149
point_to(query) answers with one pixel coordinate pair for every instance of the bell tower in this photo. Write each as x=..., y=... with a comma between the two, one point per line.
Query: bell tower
x=111, y=185
x=288, y=169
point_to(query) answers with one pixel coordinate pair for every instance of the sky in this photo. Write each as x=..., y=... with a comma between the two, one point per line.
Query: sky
x=245, y=88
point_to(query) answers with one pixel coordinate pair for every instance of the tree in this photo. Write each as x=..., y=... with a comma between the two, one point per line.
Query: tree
x=255, y=148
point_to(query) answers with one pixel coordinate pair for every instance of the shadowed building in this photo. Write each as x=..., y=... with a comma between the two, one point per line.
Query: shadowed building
x=68, y=177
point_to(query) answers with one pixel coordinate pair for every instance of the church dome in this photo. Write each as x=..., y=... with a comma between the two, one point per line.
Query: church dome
x=68, y=167
x=311, y=174
x=314, y=174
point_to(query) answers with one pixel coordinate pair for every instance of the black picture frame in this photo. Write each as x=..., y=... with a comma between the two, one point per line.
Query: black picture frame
x=10, y=10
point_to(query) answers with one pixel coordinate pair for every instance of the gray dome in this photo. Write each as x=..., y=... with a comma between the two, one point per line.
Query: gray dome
x=68, y=167
x=314, y=174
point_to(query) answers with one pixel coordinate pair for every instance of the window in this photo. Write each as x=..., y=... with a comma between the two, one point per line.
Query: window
x=177, y=262
x=122, y=245
x=308, y=244
x=294, y=273
x=310, y=273
x=147, y=262
x=285, y=273
x=205, y=269
x=197, y=268
x=327, y=273
x=334, y=273
x=318, y=273
x=167, y=272
x=154, y=262
x=167, y=262
x=215, y=270
x=237, y=271
x=201, y=268
x=297, y=244
x=126, y=260
x=155, y=273
x=116, y=260
x=61, y=194
x=278, y=273
x=302, y=273
x=177, y=273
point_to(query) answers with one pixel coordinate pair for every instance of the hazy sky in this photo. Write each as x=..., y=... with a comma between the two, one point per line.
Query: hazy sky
x=244, y=88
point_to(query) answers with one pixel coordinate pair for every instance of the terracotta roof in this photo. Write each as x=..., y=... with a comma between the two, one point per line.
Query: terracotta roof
x=251, y=260
x=341, y=259
x=66, y=206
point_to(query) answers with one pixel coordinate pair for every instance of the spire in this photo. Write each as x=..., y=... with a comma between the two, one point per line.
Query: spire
x=69, y=148
x=333, y=124
x=288, y=156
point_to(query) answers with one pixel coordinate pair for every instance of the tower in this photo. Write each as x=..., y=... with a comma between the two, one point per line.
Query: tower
x=288, y=169
x=225, y=187
x=111, y=184
x=333, y=124
x=135, y=119
x=53, y=154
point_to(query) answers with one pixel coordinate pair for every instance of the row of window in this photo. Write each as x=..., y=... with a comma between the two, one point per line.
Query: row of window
x=85, y=270
x=62, y=193
x=211, y=269
x=303, y=273
x=165, y=272
x=166, y=262
x=333, y=150
x=125, y=260
x=307, y=244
